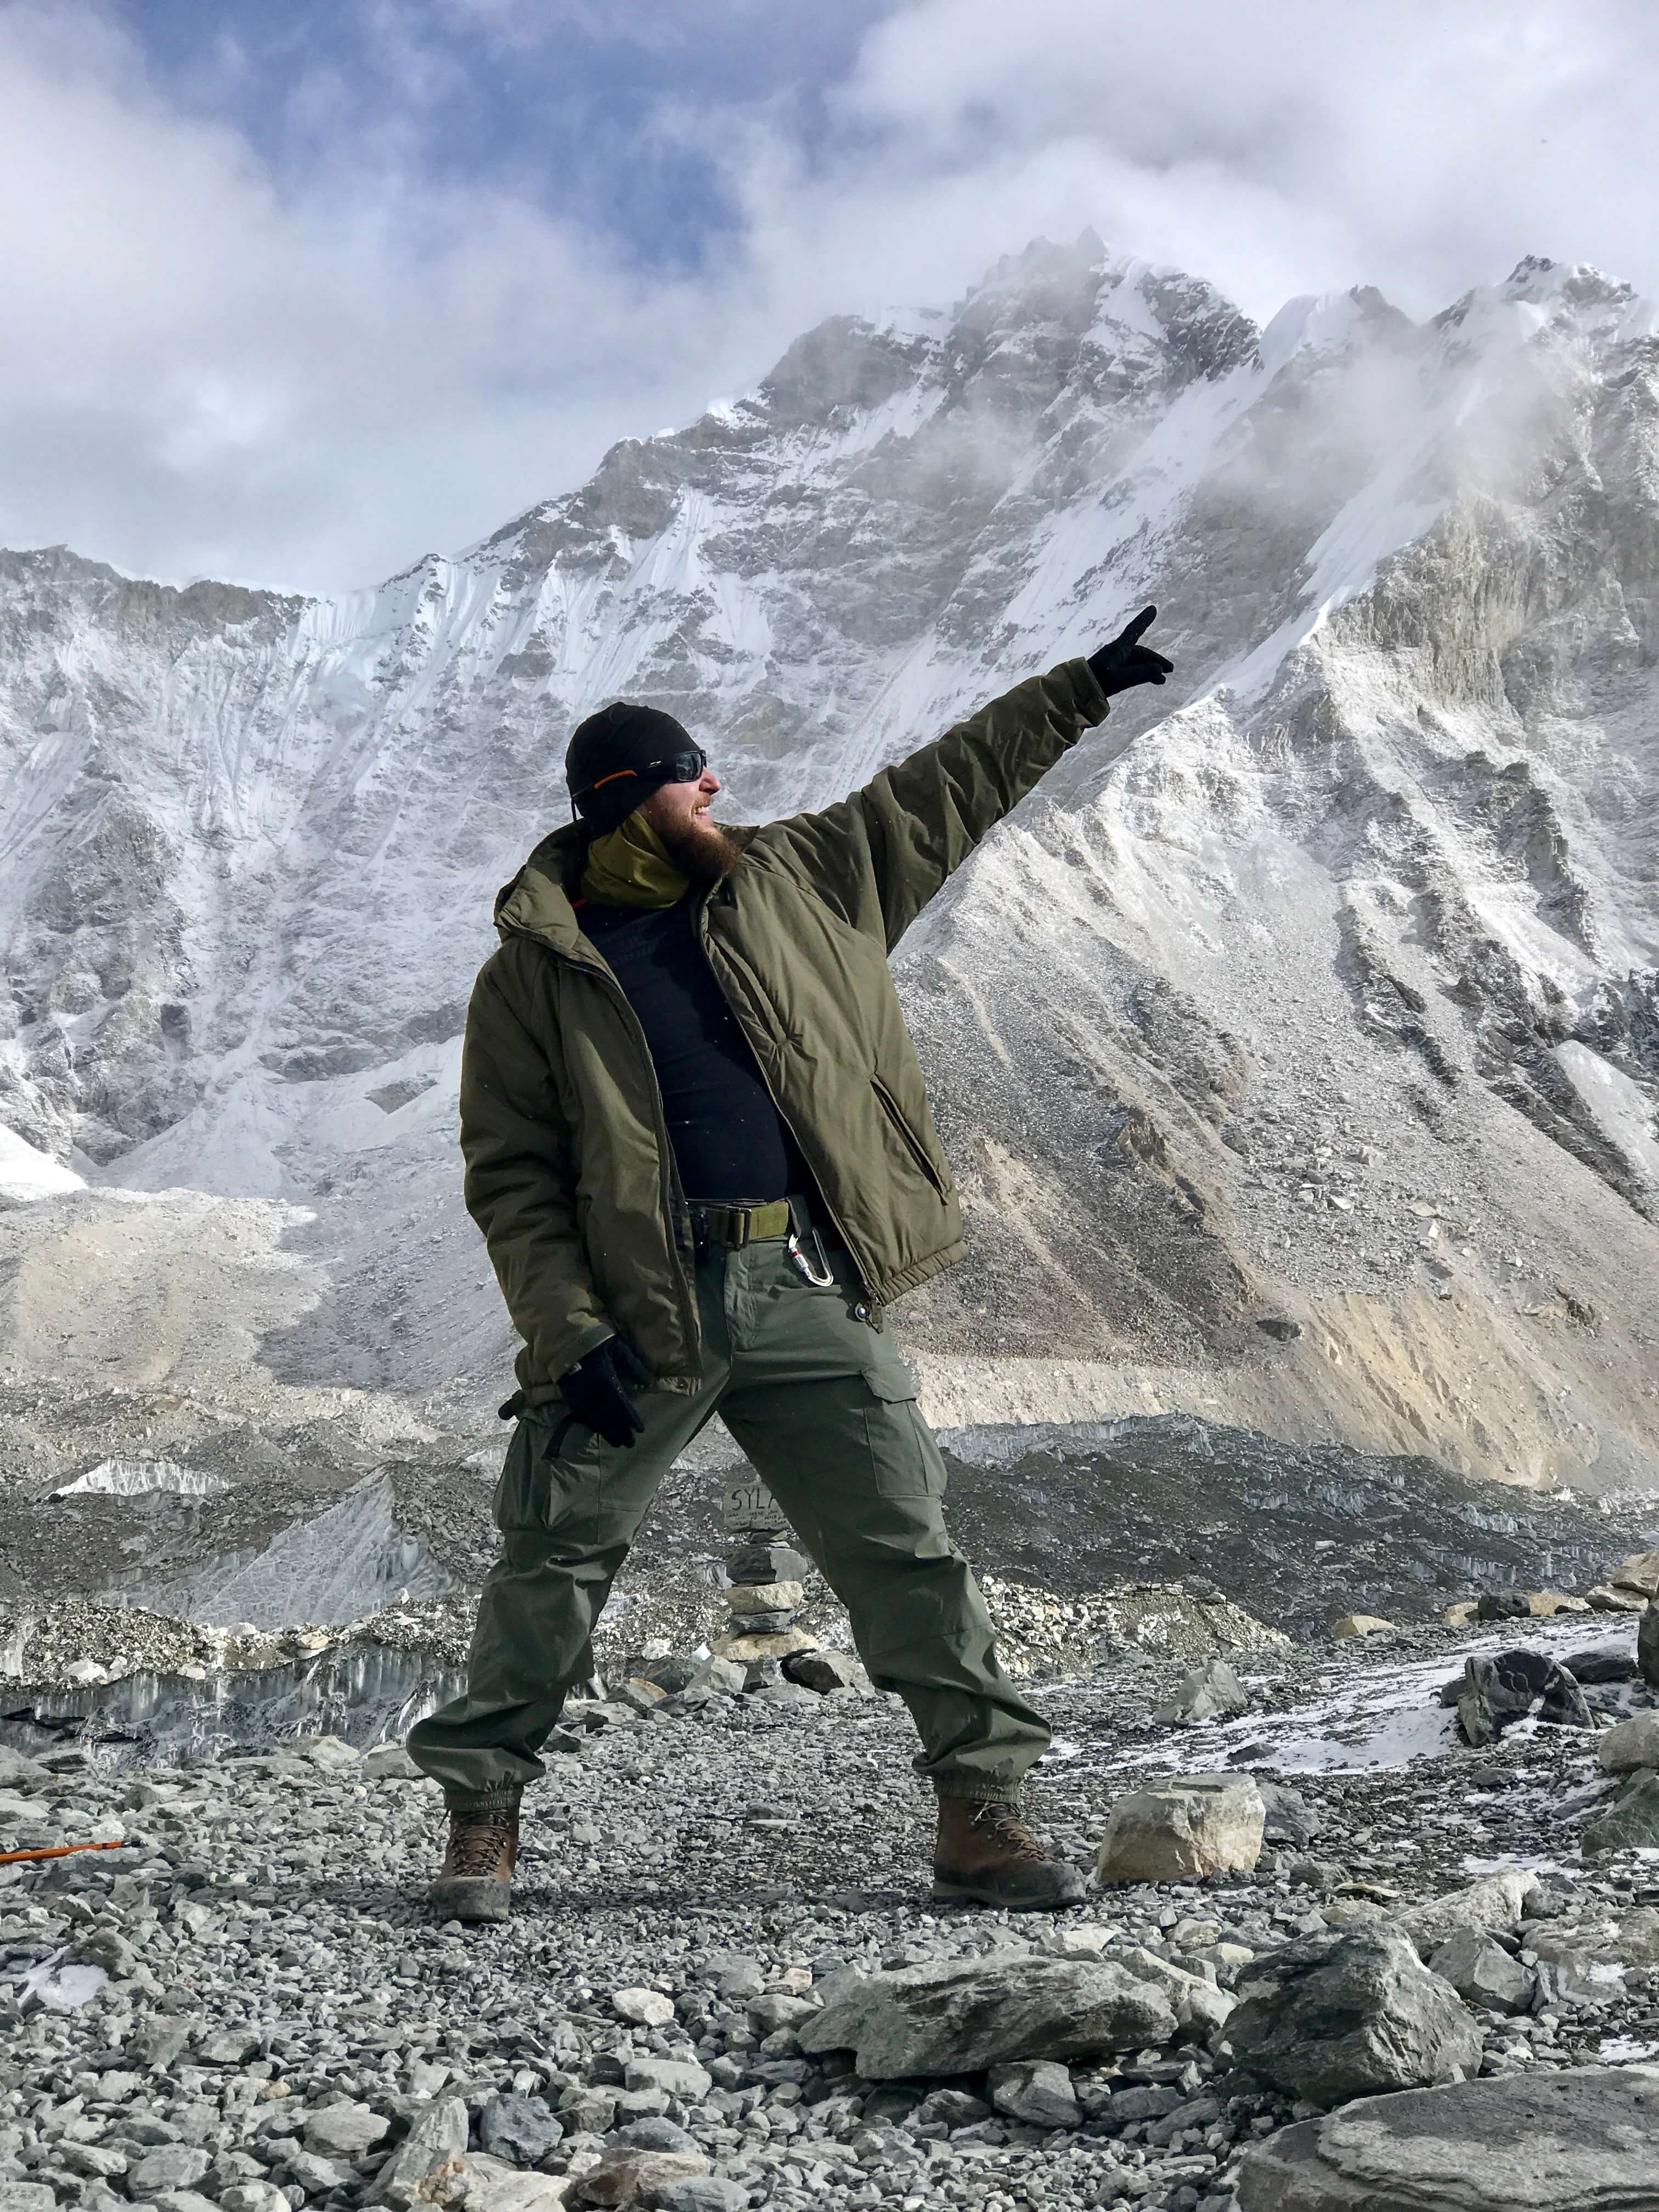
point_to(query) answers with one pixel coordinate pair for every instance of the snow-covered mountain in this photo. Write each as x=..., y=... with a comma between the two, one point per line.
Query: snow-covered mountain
x=1333, y=1005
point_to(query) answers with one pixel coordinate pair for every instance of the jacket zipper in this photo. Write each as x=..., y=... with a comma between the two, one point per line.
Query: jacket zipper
x=907, y=1135
x=596, y=967
x=834, y=1223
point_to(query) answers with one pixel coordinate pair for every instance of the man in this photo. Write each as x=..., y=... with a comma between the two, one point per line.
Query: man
x=699, y=1146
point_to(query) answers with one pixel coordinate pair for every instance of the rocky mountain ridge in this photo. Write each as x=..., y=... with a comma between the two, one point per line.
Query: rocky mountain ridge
x=1318, y=990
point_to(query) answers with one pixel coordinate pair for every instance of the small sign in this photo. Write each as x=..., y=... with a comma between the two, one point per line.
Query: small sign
x=750, y=1508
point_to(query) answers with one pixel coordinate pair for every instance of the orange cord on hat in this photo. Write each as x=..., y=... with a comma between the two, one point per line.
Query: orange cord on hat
x=54, y=1851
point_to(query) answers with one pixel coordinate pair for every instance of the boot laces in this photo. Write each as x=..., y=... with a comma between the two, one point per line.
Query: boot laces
x=478, y=1839
x=1005, y=1826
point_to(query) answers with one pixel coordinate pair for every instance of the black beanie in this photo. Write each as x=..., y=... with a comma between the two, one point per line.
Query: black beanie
x=620, y=742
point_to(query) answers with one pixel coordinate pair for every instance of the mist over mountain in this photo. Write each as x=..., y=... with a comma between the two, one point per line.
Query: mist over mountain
x=1320, y=989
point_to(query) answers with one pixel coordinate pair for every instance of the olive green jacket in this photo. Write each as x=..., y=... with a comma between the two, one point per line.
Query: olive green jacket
x=570, y=1171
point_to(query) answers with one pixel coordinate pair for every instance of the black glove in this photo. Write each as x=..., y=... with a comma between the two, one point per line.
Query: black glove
x=598, y=1392
x=1126, y=661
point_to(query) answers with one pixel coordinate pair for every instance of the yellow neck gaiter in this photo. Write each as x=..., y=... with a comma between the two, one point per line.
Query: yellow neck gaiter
x=630, y=867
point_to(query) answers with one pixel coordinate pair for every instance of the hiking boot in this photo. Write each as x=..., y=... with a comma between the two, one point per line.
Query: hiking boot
x=986, y=1852
x=475, y=1881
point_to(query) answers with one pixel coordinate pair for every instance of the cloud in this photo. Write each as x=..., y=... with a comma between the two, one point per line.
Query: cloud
x=307, y=353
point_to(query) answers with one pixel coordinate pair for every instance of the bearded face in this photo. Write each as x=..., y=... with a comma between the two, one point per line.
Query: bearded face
x=701, y=849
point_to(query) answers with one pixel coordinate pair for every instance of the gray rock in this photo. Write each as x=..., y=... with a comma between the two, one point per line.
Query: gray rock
x=231, y=2047
x=1514, y=1685
x=26, y=2197
x=640, y=2176
x=522, y=2130
x=343, y=2131
x=1036, y=2090
x=676, y=2077
x=1292, y=1822
x=169, y=2166
x=1578, y=2140
x=24, y=1775
x=655, y=2133
x=952, y=2108
x=1632, y=1824
x=1495, y=1902
x=1647, y=1645
x=1483, y=1974
x=824, y=1671
x=964, y=2015
x=436, y=2137
x=253, y=2196
x=1183, y=1829
x=588, y=2112
x=701, y=2192
x=1204, y=1693
x=317, y=2175
x=390, y=1762
x=158, y=2042
x=1628, y=1747
x=1600, y=1663
x=1350, y=2014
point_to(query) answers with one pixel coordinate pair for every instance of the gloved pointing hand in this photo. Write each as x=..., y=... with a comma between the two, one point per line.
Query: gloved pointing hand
x=1126, y=661
x=598, y=1392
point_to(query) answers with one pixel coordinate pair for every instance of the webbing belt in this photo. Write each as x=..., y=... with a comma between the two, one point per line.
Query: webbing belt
x=729, y=1228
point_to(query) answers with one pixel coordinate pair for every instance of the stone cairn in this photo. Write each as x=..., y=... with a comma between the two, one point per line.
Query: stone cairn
x=765, y=1577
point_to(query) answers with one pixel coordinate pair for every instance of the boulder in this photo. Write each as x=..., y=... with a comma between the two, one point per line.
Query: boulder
x=521, y=2129
x=430, y=2155
x=824, y=1671
x=1497, y=1901
x=1512, y=1686
x=643, y=2008
x=1647, y=1646
x=744, y=1650
x=1354, y=2013
x=1359, y=1623
x=1292, y=1820
x=485, y=2184
x=1461, y=1615
x=1630, y=1746
x=1640, y=1573
x=25, y=1775
x=700, y=2192
x=1567, y=2142
x=766, y=1562
x=1631, y=1824
x=744, y=1598
x=1604, y=1598
x=1601, y=1663
x=1204, y=1693
x=639, y=2177
x=1638, y=1937
x=1483, y=1974
x=390, y=1762
x=1199, y=2007
x=963, y=2016
x=1501, y=1605
x=343, y=2131
x=1182, y=1829
x=1036, y=2090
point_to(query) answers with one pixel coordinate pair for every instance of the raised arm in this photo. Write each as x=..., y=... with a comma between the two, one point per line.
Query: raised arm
x=879, y=856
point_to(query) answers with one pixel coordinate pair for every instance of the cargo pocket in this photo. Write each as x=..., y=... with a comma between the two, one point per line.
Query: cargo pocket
x=903, y=1457
x=541, y=1476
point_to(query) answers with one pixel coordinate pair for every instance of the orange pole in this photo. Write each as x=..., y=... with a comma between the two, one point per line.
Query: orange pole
x=54, y=1851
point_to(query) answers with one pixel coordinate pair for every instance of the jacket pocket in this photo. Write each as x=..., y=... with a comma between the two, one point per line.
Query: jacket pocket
x=906, y=1135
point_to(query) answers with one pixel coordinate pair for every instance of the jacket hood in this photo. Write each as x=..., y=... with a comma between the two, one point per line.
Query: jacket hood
x=537, y=900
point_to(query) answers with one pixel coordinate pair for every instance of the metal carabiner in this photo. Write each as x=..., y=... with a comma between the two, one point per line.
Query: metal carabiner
x=825, y=1278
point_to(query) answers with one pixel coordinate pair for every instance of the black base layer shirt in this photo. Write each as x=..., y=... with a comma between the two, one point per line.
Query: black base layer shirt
x=731, y=1146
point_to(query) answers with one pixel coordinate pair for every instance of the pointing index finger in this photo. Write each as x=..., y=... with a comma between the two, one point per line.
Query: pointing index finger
x=1133, y=630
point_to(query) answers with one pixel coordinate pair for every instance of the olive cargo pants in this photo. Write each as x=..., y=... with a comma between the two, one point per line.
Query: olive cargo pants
x=825, y=1409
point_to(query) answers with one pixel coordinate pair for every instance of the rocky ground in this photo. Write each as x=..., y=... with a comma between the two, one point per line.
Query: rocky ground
x=247, y=2004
